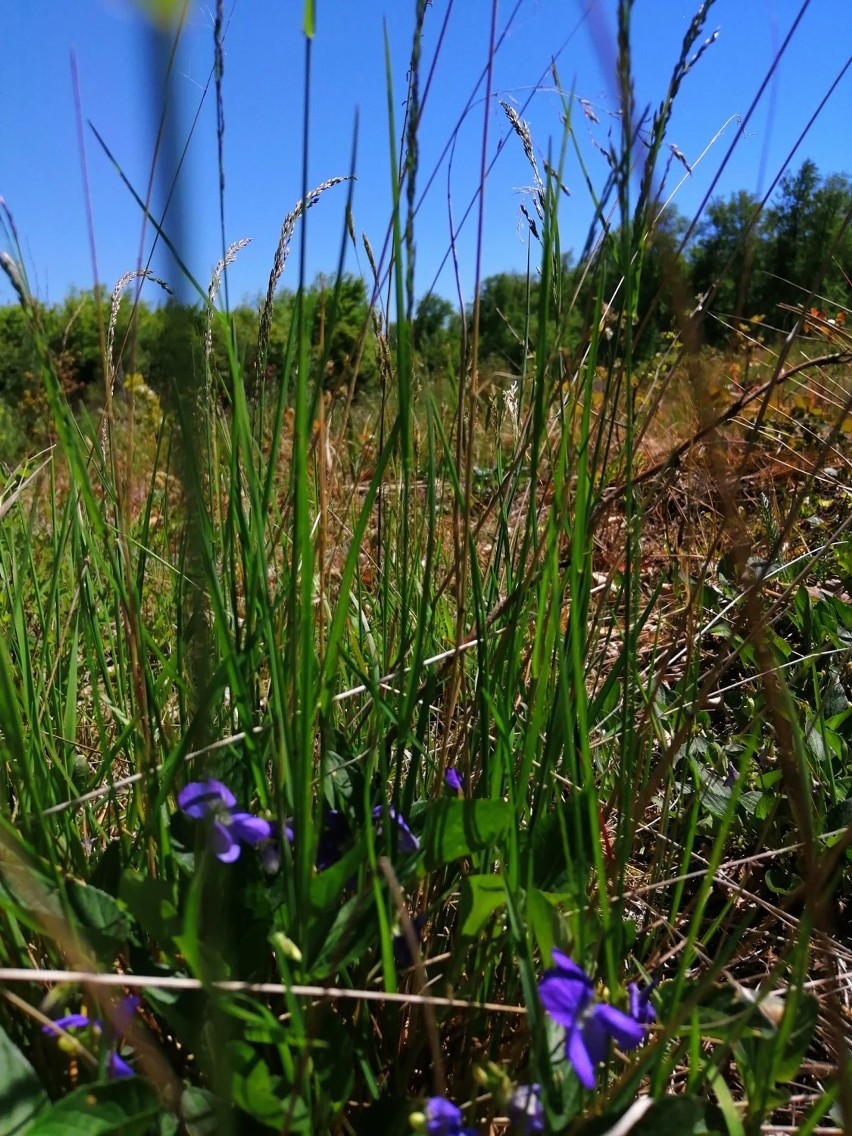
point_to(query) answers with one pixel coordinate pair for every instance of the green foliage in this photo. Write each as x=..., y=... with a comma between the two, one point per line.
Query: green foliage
x=457, y=828
x=728, y=255
x=757, y=260
x=20, y=1090
x=129, y=1107
x=435, y=335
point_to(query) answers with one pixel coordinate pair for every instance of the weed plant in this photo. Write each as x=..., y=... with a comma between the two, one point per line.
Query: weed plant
x=474, y=769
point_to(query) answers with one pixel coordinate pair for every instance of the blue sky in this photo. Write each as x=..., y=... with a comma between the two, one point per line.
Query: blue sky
x=40, y=167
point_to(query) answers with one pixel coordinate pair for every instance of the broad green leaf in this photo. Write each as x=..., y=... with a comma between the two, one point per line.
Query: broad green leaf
x=261, y=1094
x=770, y=1059
x=481, y=896
x=543, y=918
x=835, y=701
x=352, y=933
x=668, y=1116
x=333, y=1062
x=781, y=882
x=150, y=903
x=715, y=794
x=457, y=828
x=21, y=1094
x=198, y=1110
x=328, y=886
x=105, y=921
x=838, y=817
x=560, y=844
x=120, y=1108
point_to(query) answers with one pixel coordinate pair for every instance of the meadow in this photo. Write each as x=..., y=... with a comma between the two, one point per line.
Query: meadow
x=463, y=751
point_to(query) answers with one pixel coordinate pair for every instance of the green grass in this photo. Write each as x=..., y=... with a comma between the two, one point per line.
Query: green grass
x=649, y=705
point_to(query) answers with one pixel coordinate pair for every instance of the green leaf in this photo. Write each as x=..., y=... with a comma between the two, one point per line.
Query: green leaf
x=150, y=903
x=838, y=817
x=771, y=1058
x=105, y=921
x=126, y=1108
x=328, y=886
x=254, y=1089
x=542, y=913
x=21, y=1094
x=788, y=1062
x=481, y=896
x=558, y=847
x=668, y=1116
x=333, y=1063
x=781, y=882
x=457, y=828
x=715, y=794
x=349, y=936
x=198, y=1111
x=107, y=873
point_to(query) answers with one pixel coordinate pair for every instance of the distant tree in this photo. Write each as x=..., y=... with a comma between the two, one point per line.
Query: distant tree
x=436, y=335
x=175, y=351
x=341, y=317
x=663, y=294
x=18, y=355
x=504, y=303
x=238, y=331
x=661, y=288
x=283, y=311
x=729, y=252
x=809, y=216
x=77, y=335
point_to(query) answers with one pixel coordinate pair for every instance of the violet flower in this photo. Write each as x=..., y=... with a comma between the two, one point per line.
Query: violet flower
x=67, y=1022
x=567, y=994
x=454, y=780
x=116, y=1066
x=211, y=800
x=443, y=1118
x=526, y=1110
x=641, y=1009
x=335, y=838
x=408, y=842
x=270, y=850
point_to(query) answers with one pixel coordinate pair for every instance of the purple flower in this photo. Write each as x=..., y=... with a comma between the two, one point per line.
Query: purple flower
x=116, y=1065
x=408, y=842
x=333, y=839
x=443, y=1118
x=453, y=780
x=68, y=1022
x=213, y=801
x=567, y=994
x=641, y=1009
x=526, y=1110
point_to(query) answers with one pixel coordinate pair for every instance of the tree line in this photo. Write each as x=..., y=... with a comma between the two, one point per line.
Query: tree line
x=739, y=263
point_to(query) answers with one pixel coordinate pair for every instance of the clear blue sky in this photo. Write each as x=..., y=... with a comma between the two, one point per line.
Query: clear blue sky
x=40, y=168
